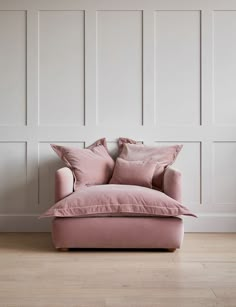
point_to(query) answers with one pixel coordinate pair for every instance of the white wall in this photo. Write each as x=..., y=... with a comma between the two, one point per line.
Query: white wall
x=157, y=71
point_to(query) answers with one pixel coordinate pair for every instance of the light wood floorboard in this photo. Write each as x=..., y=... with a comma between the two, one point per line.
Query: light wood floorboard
x=201, y=273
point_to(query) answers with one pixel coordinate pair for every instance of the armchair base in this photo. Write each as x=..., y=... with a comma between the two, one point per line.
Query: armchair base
x=117, y=232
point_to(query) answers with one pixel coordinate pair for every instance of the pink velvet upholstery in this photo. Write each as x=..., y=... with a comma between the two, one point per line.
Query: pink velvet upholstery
x=172, y=184
x=163, y=155
x=90, y=166
x=122, y=141
x=63, y=183
x=133, y=172
x=117, y=200
x=117, y=232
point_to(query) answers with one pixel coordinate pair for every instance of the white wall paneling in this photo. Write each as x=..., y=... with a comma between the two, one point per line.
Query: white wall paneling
x=13, y=68
x=177, y=64
x=224, y=166
x=224, y=23
x=158, y=71
x=61, y=67
x=119, y=67
x=13, y=177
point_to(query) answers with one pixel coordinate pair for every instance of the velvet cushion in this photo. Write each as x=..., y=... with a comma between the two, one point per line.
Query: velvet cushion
x=133, y=172
x=90, y=166
x=122, y=141
x=162, y=155
x=117, y=200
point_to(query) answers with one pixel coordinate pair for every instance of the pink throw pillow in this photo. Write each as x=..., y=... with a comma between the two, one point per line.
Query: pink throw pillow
x=90, y=166
x=122, y=141
x=133, y=172
x=162, y=155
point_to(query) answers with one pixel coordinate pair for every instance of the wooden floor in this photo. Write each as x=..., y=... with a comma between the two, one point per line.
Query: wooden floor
x=202, y=273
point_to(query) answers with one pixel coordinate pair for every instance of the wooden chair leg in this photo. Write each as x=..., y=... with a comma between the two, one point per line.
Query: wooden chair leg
x=171, y=250
x=63, y=249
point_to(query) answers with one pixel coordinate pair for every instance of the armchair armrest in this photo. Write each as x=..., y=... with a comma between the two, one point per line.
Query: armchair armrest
x=64, y=182
x=172, y=184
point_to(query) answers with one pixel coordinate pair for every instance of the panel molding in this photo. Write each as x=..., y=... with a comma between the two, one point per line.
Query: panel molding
x=206, y=68
x=225, y=86
x=225, y=204
x=13, y=45
x=107, y=76
x=91, y=107
x=149, y=105
x=172, y=77
x=74, y=88
x=32, y=68
x=13, y=177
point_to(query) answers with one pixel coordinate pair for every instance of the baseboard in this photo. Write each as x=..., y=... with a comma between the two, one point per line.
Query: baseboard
x=204, y=223
x=212, y=222
x=24, y=223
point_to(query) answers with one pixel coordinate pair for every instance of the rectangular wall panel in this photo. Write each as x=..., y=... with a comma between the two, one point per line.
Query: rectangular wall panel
x=13, y=178
x=12, y=68
x=224, y=170
x=61, y=68
x=119, y=67
x=49, y=162
x=177, y=68
x=224, y=67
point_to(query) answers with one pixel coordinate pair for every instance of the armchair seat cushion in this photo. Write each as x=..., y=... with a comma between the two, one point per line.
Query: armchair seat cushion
x=117, y=200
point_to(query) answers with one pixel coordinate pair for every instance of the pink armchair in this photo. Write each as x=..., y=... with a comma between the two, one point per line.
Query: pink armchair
x=117, y=232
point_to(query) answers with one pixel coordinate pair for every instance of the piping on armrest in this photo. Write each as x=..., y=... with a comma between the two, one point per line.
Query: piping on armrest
x=172, y=184
x=64, y=182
